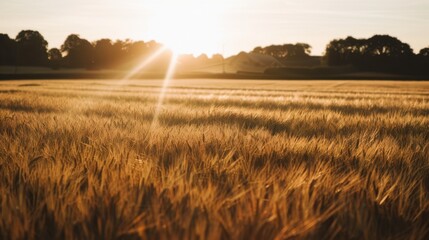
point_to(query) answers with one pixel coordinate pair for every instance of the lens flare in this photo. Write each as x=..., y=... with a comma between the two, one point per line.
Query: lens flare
x=166, y=83
x=144, y=63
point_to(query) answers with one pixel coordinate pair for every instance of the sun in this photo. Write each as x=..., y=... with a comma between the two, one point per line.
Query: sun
x=187, y=27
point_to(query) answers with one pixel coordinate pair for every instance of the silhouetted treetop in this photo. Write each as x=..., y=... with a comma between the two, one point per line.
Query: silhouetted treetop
x=80, y=52
x=7, y=50
x=31, y=37
x=378, y=53
x=203, y=57
x=351, y=50
x=55, y=58
x=345, y=51
x=32, y=48
x=73, y=42
x=217, y=57
x=424, y=52
x=54, y=54
x=285, y=51
x=385, y=45
x=4, y=37
x=104, y=53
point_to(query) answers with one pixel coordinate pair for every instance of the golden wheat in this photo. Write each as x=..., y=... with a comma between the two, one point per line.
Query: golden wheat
x=227, y=159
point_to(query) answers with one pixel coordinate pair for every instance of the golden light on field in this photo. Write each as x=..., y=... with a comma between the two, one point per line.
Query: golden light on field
x=166, y=82
x=223, y=159
x=187, y=27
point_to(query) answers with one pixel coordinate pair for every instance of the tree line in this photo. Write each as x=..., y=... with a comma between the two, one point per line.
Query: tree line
x=286, y=52
x=378, y=53
x=29, y=48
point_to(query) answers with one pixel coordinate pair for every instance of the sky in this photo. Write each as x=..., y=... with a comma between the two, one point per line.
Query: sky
x=219, y=26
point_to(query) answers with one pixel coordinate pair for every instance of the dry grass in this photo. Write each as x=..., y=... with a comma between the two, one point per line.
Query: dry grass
x=228, y=160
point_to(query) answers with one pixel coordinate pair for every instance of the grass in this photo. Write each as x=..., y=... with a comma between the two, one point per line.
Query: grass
x=227, y=159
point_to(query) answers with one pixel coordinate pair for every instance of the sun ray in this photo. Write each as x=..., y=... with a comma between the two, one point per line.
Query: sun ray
x=168, y=77
x=146, y=61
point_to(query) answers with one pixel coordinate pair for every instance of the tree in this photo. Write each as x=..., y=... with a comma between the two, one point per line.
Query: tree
x=259, y=50
x=104, y=53
x=303, y=49
x=423, y=61
x=345, y=51
x=378, y=53
x=54, y=54
x=389, y=54
x=32, y=48
x=136, y=50
x=202, y=58
x=385, y=45
x=217, y=58
x=120, y=52
x=79, y=52
x=55, y=57
x=424, y=52
x=7, y=50
x=285, y=51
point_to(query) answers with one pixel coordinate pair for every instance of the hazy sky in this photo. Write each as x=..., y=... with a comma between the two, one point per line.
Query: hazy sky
x=227, y=26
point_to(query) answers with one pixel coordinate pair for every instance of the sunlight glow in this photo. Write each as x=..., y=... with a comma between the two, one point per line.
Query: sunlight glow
x=189, y=26
x=145, y=61
x=168, y=76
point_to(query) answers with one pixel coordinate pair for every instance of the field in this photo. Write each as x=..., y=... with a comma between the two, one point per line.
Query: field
x=216, y=159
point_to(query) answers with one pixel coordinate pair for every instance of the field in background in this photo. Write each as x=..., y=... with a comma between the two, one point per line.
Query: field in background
x=226, y=159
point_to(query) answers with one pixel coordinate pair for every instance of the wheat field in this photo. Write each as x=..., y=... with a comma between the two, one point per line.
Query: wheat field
x=219, y=159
